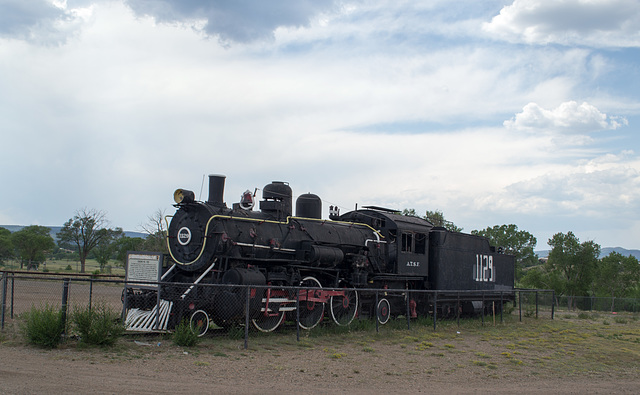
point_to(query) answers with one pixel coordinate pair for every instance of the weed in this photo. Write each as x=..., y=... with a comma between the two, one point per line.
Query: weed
x=424, y=345
x=44, y=327
x=183, y=335
x=333, y=354
x=480, y=363
x=99, y=325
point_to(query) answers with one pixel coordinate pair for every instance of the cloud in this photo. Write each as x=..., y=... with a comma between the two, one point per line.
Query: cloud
x=569, y=117
x=593, y=188
x=239, y=21
x=40, y=21
x=597, y=23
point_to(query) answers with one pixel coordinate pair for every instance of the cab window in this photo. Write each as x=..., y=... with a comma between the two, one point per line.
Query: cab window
x=414, y=242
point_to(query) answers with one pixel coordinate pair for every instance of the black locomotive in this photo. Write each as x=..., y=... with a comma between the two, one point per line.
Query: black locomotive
x=336, y=258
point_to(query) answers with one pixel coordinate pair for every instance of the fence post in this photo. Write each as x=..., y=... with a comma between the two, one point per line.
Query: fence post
x=158, y=299
x=501, y=307
x=376, y=313
x=553, y=303
x=65, y=300
x=482, y=307
x=408, y=313
x=435, y=309
x=246, y=318
x=124, y=304
x=297, y=314
x=458, y=307
x=4, y=297
x=536, y=304
x=520, y=304
x=13, y=285
x=90, y=291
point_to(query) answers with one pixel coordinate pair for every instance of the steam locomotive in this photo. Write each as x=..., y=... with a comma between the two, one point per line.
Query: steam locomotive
x=336, y=262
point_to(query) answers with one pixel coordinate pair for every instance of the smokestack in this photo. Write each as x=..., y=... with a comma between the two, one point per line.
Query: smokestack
x=216, y=189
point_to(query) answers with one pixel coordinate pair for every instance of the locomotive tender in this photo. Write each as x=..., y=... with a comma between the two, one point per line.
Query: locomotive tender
x=368, y=248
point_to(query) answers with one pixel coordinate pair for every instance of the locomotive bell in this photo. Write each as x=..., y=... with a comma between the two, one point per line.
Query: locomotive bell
x=183, y=196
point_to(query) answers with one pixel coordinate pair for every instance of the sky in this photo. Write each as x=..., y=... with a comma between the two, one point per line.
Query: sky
x=521, y=112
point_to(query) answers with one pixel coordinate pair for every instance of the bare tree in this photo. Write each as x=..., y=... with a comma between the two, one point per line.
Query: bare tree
x=155, y=230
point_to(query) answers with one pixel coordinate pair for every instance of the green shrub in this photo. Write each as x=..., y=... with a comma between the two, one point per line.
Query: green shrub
x=44, y=327
x=183, y=335
x=99, y=325
x=68, y=268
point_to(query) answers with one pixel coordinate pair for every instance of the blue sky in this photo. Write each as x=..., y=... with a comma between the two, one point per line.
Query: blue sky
x=494, y=112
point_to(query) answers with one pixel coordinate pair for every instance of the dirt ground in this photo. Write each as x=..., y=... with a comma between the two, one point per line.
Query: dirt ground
x=552, y=359
x=452, y=366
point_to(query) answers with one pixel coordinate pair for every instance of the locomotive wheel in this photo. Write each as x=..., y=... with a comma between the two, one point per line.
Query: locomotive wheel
x=271, y=318
x=383, y=311
x=199, y=322
x=311, y=312
x=268, y=323
x=344, y=307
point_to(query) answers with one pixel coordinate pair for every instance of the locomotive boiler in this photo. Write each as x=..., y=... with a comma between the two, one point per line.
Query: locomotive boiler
x=335, y=261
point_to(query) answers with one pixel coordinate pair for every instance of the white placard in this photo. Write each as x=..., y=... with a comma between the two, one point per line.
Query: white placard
x=143, y=267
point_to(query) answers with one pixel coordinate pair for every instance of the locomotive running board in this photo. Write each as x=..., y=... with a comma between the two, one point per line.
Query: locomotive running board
x=139, y=320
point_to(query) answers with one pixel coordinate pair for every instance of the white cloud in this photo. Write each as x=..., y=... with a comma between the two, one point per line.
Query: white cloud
x=597, y=23
x=569, y=117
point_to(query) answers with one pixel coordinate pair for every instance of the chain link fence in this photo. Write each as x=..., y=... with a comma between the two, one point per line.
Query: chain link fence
x=217, y=309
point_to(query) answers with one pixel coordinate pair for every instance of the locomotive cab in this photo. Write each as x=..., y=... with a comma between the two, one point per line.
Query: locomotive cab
x=407, y=239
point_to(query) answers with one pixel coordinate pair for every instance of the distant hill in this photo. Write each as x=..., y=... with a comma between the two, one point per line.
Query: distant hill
x=56, y=229
x=603, y=252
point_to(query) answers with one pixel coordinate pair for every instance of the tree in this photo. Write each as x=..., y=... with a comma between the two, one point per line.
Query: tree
x=574, y=262
x=33, y=243
x=85, y=230
x=6, y=246
x=106, y=248
x=617, y=275
x=125, y=244
x=435, y=217
x=515, y=242
x=156, y=235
